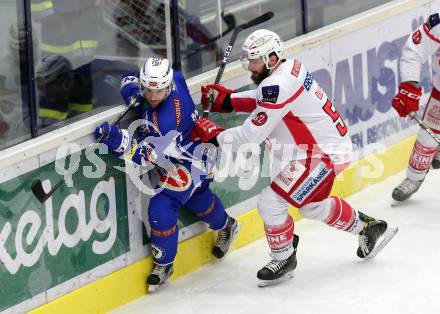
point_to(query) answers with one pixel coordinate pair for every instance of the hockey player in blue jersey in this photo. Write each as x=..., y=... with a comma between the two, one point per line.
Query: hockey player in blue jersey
x=166, y=105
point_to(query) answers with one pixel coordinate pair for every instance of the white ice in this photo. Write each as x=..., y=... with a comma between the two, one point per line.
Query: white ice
x=404, y=278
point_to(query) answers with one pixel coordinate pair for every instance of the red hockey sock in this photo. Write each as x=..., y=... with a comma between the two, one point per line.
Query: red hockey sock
x=342, y=215
x=280, y=239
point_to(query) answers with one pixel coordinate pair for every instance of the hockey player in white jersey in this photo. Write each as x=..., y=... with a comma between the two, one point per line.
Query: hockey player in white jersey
x=309, y=143
x=423, y=44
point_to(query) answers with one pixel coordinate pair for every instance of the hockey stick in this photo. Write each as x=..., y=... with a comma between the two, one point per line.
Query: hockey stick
x=37, y=185
x=262, y=18
x=423, y=125
x=229, y=20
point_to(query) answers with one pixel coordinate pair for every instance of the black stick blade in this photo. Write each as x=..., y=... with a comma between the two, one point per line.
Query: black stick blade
x=37, y=189
x=262, y=18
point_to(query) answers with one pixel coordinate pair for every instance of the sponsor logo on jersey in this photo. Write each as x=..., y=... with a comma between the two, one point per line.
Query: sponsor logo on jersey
x=177, y=109
x=260, y=119
x=311, y=183
x=319, y=93
x=270, y=93
x=308, y=81
x=296, y=68
x=417, y=37
x=287, y=178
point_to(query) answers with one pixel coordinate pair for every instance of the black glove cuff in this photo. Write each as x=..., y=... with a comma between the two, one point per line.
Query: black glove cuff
x=227, y=104
x=214, y=141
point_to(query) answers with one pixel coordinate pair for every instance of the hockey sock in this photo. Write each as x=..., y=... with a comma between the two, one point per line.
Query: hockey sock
x=280, y=239
x=164, y=245
x=342, y=216
x=215, y=215
x=421, y=159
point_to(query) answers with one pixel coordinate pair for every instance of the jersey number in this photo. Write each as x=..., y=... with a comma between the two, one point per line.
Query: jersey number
x=334, y=115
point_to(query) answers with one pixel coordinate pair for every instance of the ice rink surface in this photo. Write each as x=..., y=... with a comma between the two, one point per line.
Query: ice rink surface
x=404, y=278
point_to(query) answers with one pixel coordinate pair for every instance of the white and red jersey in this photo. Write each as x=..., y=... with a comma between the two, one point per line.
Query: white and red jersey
x=420, y=46
x=294, y=115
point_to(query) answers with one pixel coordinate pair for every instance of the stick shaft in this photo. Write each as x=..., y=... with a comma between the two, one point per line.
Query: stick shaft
x=256, y=21
x=89, y=148
x=423, y=125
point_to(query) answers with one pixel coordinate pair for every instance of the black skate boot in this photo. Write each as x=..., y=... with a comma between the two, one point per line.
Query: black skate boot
x=225, y=237
x=159, y=276
x=436, y=161
x=405, y=189
x=278, y=271
x=369, y=236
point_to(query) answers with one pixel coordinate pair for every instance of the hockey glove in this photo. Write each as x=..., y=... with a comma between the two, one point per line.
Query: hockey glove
x=206, y=131
x=221, y=95
x=116, y=139
x=407, y=99
x=143, y=154
x=130, y=88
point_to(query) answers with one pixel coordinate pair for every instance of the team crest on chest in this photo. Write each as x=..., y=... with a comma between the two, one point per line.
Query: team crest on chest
x=178, y=180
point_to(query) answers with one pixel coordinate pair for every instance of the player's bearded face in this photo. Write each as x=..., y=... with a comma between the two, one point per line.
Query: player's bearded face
x=258, y=77
x=258, y=70
x=155, y=96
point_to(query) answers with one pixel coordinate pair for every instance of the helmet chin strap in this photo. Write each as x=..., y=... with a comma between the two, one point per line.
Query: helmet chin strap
x=266, y=63
x=170, y=88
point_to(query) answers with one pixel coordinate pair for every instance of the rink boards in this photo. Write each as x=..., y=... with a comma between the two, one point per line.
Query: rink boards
x=86, y=249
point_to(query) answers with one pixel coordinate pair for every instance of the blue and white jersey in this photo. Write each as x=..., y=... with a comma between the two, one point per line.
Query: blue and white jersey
x=171, y=122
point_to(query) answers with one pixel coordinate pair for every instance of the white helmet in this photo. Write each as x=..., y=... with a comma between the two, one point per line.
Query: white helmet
x=156, y=73
x=261, y=43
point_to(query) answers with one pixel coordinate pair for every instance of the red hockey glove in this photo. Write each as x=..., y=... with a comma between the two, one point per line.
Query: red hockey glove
x=221, y=103
x=407, y=99
x=205, y=130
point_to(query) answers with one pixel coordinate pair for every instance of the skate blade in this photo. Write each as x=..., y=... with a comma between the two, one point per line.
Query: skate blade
x=386, y=237
x=155, y=288
x=265, y=283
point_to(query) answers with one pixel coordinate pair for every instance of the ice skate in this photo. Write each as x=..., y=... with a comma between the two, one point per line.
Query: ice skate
x=405, y=189
x=159, y=276
x=225, y=238
x=374, y=236
x=278, y=271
